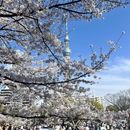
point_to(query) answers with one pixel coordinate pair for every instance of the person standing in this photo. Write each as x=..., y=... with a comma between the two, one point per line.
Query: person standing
x=0, y=128
x=128, y=122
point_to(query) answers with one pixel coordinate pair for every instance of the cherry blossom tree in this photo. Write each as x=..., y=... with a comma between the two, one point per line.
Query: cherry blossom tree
x=33, y=66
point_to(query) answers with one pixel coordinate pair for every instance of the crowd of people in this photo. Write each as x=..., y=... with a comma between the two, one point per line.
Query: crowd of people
x=121, y=125
x=116, y=125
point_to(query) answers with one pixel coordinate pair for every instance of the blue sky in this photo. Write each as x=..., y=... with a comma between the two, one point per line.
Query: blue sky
x=98, y=32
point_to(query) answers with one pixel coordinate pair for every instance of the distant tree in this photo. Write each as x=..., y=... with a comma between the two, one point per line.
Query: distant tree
x=119, y=101
x=97, y=104
x=111, y=108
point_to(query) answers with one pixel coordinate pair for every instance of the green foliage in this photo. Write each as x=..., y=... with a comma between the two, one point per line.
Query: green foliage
x=111, y=108
x=2, y=108
x=97, y=104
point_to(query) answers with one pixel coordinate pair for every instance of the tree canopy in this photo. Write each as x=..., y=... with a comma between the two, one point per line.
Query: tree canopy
x=41, y=83
x=120, y=101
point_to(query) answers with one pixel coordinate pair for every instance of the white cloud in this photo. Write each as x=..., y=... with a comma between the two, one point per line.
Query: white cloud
x=120, y=65
x=115, y=78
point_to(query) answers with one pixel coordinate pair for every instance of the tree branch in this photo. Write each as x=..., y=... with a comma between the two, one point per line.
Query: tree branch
x=63, y=4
